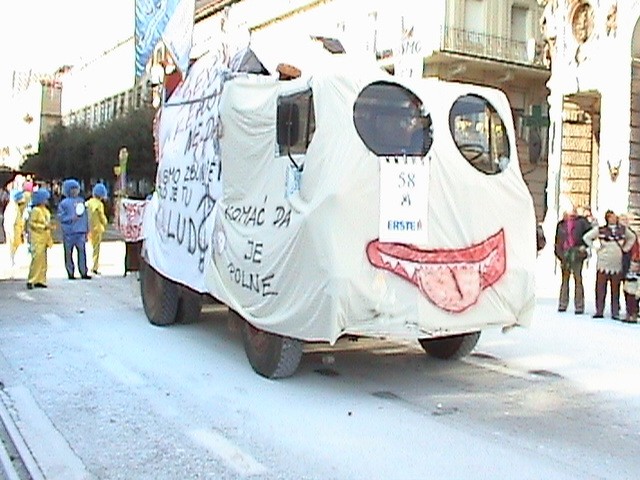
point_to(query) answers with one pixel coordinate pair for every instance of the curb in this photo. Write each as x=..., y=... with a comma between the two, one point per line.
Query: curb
x=9, y=471
x=21, y=447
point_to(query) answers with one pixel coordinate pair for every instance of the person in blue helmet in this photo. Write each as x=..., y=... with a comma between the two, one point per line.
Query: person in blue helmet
x=97, y=222
x=40, y=238
x=74, y=223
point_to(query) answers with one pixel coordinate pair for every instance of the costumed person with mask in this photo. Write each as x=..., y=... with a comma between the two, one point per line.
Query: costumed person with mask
x=39, y=225
x=74, y=222
x=614, y=239
x=97, y=222
x=13, y=223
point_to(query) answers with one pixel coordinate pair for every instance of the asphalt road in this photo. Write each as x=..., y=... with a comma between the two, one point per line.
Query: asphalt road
x=99, y=393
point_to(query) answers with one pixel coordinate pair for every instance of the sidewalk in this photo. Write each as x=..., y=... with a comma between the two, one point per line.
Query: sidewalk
x=110, y=235
x=112, y=260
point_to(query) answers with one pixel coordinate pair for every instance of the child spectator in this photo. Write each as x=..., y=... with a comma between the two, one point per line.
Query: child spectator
x=631, y=285
x=631, y=289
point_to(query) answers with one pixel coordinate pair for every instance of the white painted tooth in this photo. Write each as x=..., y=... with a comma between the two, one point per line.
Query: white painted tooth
x=410, y=268
x=386, y=259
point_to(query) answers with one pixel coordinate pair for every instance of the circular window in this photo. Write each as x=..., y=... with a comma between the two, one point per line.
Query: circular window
x=480, y=134
x=390, y=120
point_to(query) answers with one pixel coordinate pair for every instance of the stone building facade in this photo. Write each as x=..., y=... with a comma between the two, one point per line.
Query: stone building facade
x=489, y=42
x=594, y=137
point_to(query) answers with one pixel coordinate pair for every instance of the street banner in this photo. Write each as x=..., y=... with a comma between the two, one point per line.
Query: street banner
x=409, y=57
x=130, y=214
x=152, y=18
x=178, y=34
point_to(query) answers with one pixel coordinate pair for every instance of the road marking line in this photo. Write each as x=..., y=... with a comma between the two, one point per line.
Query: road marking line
x=54, y=320
x=25, y=296
x=229, y=453
x=498, y=368
x=120, y=372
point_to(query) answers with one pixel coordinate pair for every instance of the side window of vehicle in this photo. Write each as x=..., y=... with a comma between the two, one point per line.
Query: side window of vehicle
x=390, y=120
x=296, y=122
x=480, y=134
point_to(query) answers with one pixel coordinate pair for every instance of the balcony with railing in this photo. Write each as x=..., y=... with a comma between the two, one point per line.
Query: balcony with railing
x=465, y=42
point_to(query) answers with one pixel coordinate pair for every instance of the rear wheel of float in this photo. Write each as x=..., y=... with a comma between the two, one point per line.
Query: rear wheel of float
x=190, y=306
x=271, y=355
x=449, y=348
x=160, y=296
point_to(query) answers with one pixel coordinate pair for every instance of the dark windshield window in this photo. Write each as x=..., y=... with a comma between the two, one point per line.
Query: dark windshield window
x=480, y=134
x=296, y=122
x=390, y=120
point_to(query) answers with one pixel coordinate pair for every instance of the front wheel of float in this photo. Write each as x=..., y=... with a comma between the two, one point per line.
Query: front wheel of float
x=190, y=306
x=452, y=347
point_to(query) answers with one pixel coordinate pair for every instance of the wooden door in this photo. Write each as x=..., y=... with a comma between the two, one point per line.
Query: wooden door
x=576, y=172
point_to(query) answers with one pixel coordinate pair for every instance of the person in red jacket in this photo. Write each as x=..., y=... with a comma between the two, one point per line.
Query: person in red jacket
x=571, y=251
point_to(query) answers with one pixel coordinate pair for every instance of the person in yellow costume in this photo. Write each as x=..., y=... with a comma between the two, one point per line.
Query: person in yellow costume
x=40, y=237
x=13, y=222
x=97, y=222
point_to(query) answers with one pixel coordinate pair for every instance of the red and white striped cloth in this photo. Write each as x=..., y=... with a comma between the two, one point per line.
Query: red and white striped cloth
x=129, y=218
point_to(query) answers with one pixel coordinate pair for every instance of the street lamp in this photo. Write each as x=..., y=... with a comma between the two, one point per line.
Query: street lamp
x=121, y=171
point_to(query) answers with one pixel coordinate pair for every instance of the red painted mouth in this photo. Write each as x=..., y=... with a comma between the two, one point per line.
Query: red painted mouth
x=451, y=279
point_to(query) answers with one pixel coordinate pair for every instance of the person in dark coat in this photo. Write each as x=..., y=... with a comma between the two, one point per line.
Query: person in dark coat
x=571, y=251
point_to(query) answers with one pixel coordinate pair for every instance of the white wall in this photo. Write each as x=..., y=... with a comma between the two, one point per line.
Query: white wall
x=22, y=134
x=604, y=67
x=103, y=77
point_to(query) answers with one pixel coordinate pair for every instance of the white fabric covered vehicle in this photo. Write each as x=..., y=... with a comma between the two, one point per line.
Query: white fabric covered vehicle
x=343, y=202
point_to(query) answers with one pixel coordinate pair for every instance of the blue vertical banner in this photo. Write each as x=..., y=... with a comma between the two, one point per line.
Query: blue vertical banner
x=152, y=19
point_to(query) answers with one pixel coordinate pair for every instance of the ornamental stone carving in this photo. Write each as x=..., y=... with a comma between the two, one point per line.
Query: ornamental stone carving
x=582, y=21
x=612, y=21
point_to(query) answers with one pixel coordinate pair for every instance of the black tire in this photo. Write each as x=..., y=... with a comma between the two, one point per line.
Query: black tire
x=190, y=307
x=160, y=296
x=271, y=355
x=450, y=348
